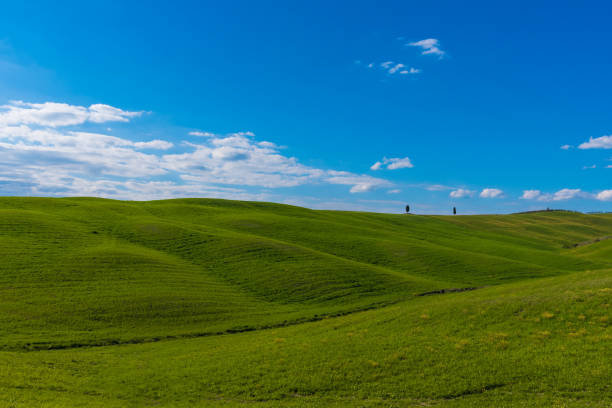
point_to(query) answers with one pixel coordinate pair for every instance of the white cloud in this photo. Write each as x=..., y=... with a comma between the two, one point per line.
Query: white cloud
x=605, y=195
x=399, y=163
x=65, y=185
x=603, y=142
x=251, y=134
x=268, y=145
x=376, y=166
x=429, y=46
x=41, y=158
x=566, y=147
x=51, y=114
x=153, y=144
x=80, y=152
x=566, y=194
x=100, y=113
x=396, y=68
x=362, y=188
x=201, y=134
x=593, y=166
x=438, y=187
x=531, y=194
x=392, y=163
x=360, y=183
x=410, y=71
x=392, y=68
x=395, y=191
x=461, y=193
x=561, y=195
x=238, y=160
x=491, y=193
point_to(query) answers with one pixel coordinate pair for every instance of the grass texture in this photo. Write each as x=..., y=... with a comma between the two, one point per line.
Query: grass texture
x=202, y=302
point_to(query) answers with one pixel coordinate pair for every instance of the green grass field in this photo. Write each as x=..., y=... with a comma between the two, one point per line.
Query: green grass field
x=201, y=302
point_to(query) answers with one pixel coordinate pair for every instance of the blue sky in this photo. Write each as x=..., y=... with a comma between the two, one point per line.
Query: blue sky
x=340, y=105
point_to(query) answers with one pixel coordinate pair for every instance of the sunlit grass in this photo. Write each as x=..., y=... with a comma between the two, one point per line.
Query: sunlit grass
x=217, y=303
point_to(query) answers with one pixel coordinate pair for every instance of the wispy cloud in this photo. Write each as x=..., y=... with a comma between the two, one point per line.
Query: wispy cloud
x=39, y=155
x=561, y=195
x=410, y=71
x=51, y=114
x=429, y=46
x=201, y=134
x=238, y=159
x=567, y=194
x=566, y=147
x=491, y=193
x=438, y=187
x=376, y=166
x=603, y=142
x=396, y=68
x=362, y=188
x=399, y=163
x=531, y=194
x=461, y=193
x=392, y=163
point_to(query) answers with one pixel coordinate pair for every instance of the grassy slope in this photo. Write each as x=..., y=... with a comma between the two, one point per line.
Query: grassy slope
x=542, y=343
x=93, y=272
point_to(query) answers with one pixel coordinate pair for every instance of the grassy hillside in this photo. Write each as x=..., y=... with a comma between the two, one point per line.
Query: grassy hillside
x=215, y=302
x=544, y=343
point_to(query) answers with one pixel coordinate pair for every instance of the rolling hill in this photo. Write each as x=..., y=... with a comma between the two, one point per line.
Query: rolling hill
x=220, y=303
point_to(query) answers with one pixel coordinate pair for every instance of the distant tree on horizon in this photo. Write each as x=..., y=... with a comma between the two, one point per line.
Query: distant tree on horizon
x=454, y=210
x=407, y=209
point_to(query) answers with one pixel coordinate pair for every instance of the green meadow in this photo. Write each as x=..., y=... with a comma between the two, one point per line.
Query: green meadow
x=204, y=302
